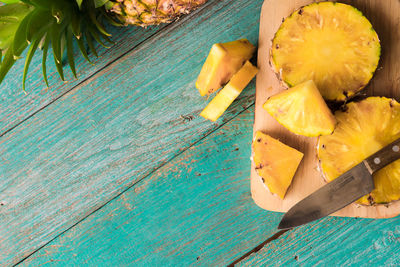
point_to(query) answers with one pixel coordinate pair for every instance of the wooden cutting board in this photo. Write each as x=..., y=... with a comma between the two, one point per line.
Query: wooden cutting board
x=385, y=17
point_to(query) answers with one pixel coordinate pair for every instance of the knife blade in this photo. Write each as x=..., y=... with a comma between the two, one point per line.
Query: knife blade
x=342, y=191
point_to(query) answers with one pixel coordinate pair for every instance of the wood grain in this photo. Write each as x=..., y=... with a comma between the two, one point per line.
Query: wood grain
x=385, y=16
x=207, y=217
x=16, y=106
x=334, y=241
x=195, y=210
x=112, y=130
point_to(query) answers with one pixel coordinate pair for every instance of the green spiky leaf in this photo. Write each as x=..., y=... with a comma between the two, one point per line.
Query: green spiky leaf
x=44, y=58
x=44, y=4
x=57, y=13
x=20, y=42
x=96, y=36
x=81, y=46
x=10, y=18
x=97, y=23
x=76, y=25
x=79, y=2
x=55, y=32
x=89, y=41
x=59, y=69
x=110, y=19
x=105, y=37
x=99, y=3
x=70, y=53
x=55, y=38
x=10, y=1
x=40, y=21
x=7, y=63
x=29, y=56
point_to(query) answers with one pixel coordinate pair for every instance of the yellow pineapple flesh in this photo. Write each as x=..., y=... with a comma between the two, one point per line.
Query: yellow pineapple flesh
x=364, y=128
x=275, y=162
x=302, y=110
x=230, y=92
x=223, y=61
x=332, y=44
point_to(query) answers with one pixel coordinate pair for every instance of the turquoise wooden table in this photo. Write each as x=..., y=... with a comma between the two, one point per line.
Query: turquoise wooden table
x=116, y=168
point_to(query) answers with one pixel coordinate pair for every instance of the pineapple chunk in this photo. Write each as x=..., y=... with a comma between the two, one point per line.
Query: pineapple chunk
x=302, y=110
x=332, y=44
x=230, y=92
x=275, y=162
x=223, y=61
x=363, y=129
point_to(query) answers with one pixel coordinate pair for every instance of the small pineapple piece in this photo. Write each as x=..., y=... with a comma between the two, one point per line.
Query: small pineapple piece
x=275, y=162
x=230, y=92
x=302, y=110
x=223, y=61
x=363, y=129
x=332, y=44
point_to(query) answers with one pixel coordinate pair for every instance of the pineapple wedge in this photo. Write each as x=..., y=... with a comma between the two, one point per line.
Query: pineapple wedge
x=230, y=92
x=330, y=43
x=275, y=162
x=302, y=110
x=223, y=61
x=364, y=128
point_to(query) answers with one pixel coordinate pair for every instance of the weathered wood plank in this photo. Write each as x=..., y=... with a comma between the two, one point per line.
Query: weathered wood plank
x=334, y=242
x=195, y=210
x=112, y=130
x=15, y=106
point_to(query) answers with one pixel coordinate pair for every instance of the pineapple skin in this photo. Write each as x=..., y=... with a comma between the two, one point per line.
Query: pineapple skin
x=336, y=82
x=275, y=162
x=151, y=12
x=363, y=128
x=302, y=110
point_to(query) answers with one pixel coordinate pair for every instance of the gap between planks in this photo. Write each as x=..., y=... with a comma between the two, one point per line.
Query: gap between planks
x=275, y=236
x=143, y=178
x=246, y=257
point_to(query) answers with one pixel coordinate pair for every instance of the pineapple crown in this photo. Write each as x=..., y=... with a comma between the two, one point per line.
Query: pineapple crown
x=40, y=24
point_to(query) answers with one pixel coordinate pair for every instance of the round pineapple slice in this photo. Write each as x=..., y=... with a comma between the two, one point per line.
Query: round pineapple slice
x=330, y=43
x=363, y=129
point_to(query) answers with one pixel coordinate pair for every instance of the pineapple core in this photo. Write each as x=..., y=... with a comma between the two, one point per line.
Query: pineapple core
x=275, y=162
x=230, y=92
x=302, y=110
x=223, y=61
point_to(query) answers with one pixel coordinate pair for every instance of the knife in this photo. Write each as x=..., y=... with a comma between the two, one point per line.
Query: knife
x=342, y=191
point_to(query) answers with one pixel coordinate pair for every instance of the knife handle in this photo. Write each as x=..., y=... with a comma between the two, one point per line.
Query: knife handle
x=383, y=157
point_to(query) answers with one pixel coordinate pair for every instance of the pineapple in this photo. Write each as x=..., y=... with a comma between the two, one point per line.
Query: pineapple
x=330, y=43
x=60, y=23
x=364, y=128
x=150, y=12
x=302, y=110
x=275, y=162
x=223, y=61
x=230, y=92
